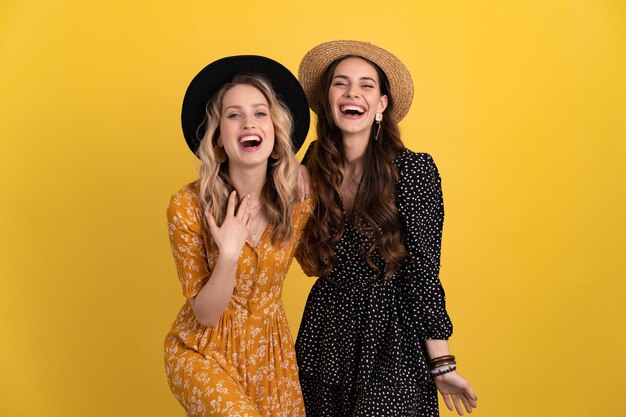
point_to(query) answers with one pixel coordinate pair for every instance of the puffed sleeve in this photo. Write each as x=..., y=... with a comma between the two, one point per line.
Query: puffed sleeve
x=420, y=202
x=302, y=214
x=305, y=214
x=185, y=231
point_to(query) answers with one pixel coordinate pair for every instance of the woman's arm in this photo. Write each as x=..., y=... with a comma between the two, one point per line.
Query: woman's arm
x=213, y=298
x=421, y=207
x=208, y=290
x=420, y=204
x=454, y=389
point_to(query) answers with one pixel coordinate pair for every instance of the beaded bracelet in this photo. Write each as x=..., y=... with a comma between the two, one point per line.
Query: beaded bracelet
x=442, y=370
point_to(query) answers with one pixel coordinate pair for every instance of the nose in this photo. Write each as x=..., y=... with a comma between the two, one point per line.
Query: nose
x=351, y=91
x=247, y=122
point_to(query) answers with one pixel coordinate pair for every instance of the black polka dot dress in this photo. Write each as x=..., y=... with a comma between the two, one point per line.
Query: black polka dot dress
x=360, y=346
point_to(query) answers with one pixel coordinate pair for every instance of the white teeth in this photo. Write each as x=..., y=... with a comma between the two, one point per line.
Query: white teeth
x=358, y=109
x=251, y=138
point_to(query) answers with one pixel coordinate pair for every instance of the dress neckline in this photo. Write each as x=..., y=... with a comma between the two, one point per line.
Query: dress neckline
x=267, y=229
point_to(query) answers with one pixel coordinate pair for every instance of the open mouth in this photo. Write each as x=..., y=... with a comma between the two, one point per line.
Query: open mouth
x=250, y=141
x=352, y=110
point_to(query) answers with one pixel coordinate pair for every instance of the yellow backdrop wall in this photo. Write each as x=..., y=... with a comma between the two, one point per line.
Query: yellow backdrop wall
x=521, y=104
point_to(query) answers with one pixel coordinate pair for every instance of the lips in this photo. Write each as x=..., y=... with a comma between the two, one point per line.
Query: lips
x=250, y=141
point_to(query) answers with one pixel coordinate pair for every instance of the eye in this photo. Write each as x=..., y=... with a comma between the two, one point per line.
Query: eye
x=260, y=114
x=233, y=116
x=367, y=86
x=340, y=83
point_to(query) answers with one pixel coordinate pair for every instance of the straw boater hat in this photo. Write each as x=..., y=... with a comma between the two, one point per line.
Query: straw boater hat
x=319, y=58
x=216, y=74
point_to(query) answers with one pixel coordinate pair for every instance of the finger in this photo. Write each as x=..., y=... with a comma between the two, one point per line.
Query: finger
x=243, y=211
x=211, y=221
x=248, y=217
x=457, y=404
x=466, y=403
x=230, y=208
x=304, y=182
x=471, y=397
x=469, y=392
x=448, y=401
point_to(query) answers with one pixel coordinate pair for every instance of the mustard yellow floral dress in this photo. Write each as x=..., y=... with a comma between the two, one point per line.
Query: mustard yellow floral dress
x=246, y=365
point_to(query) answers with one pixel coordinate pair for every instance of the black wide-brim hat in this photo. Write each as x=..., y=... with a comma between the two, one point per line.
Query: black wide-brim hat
x=212, y=77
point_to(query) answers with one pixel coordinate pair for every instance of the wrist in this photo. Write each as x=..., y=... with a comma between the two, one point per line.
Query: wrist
x=437, y=348
x=441, y=365
x=228, y=260
x=443, y=376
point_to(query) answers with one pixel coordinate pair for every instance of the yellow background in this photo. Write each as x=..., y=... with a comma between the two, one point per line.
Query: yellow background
x=521, y=103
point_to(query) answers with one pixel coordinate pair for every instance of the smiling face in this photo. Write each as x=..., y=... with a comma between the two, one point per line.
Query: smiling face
x=246, y=128
x=355, y=96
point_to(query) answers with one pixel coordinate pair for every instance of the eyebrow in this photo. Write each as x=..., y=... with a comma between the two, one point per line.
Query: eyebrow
x=237, y=106
x=361, y=78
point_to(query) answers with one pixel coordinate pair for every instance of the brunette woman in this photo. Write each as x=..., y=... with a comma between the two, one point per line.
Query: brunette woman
x=373, y=338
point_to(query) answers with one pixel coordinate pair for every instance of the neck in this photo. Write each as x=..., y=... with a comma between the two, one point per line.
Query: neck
x=248, y=180
x=354, y=147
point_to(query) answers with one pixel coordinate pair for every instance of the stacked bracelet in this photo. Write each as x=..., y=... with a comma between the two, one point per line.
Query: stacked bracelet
x=440, y=360
x=442, y=370
x=442, y=365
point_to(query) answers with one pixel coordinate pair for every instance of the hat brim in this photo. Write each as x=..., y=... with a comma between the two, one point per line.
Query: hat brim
x=212, y=77
x=317, y=60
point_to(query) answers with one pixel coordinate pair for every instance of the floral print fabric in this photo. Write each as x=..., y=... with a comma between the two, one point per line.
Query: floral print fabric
x=246, y=364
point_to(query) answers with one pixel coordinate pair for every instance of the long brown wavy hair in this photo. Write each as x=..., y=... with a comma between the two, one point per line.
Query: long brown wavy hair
x=374, y=213
x=279, y=194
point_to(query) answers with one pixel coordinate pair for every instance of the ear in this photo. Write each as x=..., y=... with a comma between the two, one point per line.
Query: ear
x=275, y=154
x=219, y=141
x=382, y=104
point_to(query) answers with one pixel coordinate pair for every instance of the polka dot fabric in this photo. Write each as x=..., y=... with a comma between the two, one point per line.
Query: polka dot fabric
x=360, y=347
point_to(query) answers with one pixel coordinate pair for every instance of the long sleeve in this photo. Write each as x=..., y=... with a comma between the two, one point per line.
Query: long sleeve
x=420, y=202
x=185, y=233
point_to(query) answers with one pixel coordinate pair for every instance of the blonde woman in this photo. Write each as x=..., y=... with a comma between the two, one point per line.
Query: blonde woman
x=233, y=233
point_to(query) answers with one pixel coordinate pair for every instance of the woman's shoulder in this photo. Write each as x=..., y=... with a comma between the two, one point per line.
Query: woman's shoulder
x=415, y=163
x=185, y=200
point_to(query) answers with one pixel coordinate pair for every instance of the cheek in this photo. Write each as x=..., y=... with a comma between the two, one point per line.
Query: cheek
x=226, y=137
x=269, y=128
x=333, y=96
x=225, y=127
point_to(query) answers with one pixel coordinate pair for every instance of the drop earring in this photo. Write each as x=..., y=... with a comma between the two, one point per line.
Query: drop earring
x=379, y=119
x=220, y=154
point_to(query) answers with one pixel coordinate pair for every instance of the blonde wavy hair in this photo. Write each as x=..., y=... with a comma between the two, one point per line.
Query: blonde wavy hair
x=280, y=192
